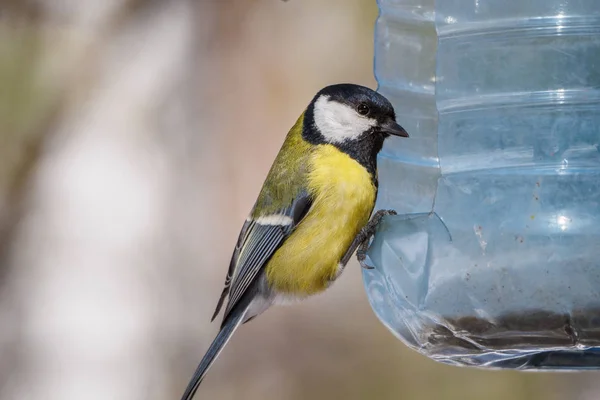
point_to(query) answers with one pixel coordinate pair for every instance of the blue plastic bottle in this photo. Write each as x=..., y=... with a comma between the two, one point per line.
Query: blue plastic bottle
x=494, y=258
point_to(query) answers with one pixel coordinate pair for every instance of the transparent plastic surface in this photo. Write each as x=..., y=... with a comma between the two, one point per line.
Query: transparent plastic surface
x=494, y=258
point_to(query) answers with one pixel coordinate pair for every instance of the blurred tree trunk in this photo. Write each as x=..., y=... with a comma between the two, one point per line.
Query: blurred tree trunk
x=25, y=114
x=98, y=113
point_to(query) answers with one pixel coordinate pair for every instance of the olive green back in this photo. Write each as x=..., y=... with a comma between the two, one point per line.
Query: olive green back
x=287, y=177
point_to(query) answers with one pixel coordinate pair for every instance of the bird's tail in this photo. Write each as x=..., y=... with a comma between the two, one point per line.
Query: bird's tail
x=231, y=324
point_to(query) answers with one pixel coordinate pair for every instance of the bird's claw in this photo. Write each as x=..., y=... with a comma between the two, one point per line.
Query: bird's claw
x=360, y=244
x=368, y=232
x=362, y=256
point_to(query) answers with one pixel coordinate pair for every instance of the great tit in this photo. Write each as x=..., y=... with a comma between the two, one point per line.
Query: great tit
x=312, y=212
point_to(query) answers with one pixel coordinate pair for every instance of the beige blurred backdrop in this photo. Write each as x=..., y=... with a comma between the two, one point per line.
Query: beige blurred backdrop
x=134, y=137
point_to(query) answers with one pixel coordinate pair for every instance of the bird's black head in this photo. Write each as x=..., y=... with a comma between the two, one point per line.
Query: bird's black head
x=353, y=118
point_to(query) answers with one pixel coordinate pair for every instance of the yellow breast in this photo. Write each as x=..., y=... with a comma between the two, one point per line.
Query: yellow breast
x=344, y=197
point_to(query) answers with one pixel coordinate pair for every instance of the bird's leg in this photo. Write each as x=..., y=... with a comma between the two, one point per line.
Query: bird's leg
x=367, y=232
x=361, y=254
x=361, y=241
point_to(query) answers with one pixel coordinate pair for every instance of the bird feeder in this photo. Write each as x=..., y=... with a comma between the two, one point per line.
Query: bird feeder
x=494, y=257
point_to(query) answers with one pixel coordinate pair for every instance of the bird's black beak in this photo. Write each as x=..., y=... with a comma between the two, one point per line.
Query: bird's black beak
x=392, y=128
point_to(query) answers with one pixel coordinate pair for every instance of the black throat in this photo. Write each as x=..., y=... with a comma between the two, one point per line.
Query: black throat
x=364, y=150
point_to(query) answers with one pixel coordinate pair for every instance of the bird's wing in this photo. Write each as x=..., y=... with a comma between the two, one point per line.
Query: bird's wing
x=259, y=238
x=232, y=264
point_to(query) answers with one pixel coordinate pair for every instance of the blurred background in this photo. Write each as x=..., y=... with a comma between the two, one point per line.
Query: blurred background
x=134, y=137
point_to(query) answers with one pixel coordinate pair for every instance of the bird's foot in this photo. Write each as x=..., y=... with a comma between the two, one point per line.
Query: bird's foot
x=367, y=233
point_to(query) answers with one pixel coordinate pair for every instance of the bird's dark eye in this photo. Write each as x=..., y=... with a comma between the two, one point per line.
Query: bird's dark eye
x=363, y=109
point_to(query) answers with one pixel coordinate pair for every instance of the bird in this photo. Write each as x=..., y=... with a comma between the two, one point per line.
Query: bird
x=312, y=213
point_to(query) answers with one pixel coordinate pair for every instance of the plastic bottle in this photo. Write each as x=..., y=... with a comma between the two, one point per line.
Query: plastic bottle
x=494, y=258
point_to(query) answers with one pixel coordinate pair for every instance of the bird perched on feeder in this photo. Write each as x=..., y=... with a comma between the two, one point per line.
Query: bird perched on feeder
x=312, y=212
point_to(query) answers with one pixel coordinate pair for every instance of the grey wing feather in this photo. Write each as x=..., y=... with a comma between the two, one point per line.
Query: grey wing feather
x=262, y=244
x=236, y=253
x=256, y=245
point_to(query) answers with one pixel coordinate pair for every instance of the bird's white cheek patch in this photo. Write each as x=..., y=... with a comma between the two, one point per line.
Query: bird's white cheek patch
x=338, y=122
x=275, y=219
